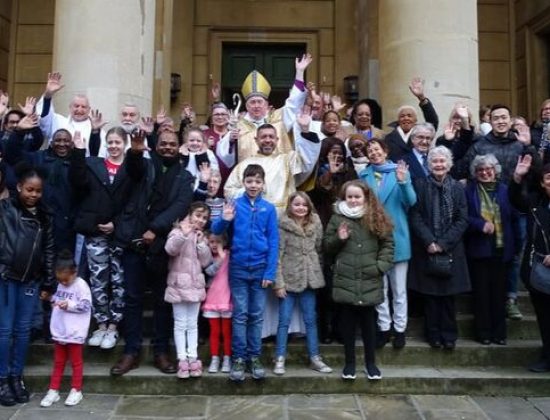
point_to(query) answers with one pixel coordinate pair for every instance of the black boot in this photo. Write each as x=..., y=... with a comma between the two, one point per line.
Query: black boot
x=19, y=389
x=6, y=394
x=382, y=338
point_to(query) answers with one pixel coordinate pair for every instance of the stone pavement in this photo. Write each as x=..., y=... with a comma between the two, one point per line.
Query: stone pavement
x=333, y=407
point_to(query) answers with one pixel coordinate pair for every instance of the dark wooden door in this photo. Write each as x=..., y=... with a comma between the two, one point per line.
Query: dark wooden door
x=274, y=61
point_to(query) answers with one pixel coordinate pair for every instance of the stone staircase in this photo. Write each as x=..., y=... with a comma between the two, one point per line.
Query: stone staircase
x=417, y=369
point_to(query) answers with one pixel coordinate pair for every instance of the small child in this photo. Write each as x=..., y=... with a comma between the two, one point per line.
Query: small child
x=298, y=275
x=359, y=238
x=185, y=286
x=195, y=152
x=217, y=307
x=69, y=326
x=252, y=268
x=209, y=185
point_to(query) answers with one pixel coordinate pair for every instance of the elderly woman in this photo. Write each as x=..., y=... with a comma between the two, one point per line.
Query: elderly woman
x=361, y=116
x=490, y=247
x=459, y=132
x=392, y=185
x=535, y=201
x=438, y=267
x=421, y=138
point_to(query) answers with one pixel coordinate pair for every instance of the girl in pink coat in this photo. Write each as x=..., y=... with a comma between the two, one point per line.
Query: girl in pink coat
x=185, y=287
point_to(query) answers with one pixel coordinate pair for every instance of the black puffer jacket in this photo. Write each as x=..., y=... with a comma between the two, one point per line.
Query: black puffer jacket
x=27, y=250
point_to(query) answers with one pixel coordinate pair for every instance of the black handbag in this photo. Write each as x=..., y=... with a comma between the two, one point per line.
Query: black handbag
x=539, y=277
x=439, y=265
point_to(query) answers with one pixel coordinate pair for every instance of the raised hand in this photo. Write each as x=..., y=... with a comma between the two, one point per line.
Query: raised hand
x=30, y=103
x=326, y=101
x=147, y=125
x=228, y=213
x=205, y=172
x=215, y=91
x=184, y=150
x=185, y=226
x=138, y=141
x=187, y=113
x=161, y=115
x=96, y=119
x=524, y=134
x=343, y=231
x=417, y=88
x=28, y=122
x=78, y=140
x=522, y=167
x=402, y=171
x=462, y=111
x=4, y=101
x=303, y=63
x=335, y=164
x=449, y=131
x=304, y=119
x=53, y=85
x=337, y=104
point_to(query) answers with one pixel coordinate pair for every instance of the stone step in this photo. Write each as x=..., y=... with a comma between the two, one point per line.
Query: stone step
x=467, y=353
x=525, y=329
x=396, y=380
x=464, y=303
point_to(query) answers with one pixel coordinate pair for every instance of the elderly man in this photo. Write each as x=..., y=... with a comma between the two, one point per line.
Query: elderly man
x=79, y=112
x=398, y=140
x=129, y=121
x=421, y=137
x=255, y=91
x=280, y=168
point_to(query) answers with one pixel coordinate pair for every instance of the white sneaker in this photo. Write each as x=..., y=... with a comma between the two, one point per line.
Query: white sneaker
x=74, y=397
x=226, y=364
x=51, y=397
x=279, y=368
x=214, y=364
x=318, y=365
x=96, y=338
x=109, y=339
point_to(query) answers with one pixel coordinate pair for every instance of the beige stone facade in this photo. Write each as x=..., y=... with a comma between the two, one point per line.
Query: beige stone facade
x=140, y=42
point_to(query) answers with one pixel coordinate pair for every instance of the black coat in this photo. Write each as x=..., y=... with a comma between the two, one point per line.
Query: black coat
x=531, y=201
x=135, y=218
x=397, y=147
x=27, y=250
x=101, y=199
x=421, y=217
x=415, y=168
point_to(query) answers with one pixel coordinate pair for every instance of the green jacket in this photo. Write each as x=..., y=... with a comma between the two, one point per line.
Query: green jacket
x=359, y=262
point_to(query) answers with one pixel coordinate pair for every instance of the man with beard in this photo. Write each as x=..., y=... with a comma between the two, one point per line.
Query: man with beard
x=79, y=113
x=162, y=194
x=280, y=168
x=398, y=140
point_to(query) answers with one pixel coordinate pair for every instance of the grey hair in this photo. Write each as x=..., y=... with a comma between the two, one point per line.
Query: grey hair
x=488, y=160
x=440, y=151
x=80, y=96
x=426, y=126
x=404, y=107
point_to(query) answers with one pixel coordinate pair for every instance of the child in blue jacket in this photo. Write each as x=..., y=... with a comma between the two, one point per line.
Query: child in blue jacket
x=252, y=268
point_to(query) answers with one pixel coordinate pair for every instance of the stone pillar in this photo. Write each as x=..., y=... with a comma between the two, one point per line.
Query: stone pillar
x=106, y=50
x=436, y=40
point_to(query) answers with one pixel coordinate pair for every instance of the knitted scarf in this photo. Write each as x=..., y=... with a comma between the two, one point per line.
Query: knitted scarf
x=442, y=202
x=490, y=209
x=351, y=212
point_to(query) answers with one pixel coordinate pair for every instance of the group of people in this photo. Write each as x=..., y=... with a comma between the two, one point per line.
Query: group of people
x=263, y=222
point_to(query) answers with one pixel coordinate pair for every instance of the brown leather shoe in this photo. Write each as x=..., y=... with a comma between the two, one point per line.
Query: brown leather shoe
x=125, y=364
x=164, y=364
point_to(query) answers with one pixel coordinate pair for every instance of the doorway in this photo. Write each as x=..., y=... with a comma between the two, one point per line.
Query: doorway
x=274, y=60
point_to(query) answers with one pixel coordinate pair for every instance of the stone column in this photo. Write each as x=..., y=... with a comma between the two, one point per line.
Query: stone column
x=436, y=40
x=106, y=50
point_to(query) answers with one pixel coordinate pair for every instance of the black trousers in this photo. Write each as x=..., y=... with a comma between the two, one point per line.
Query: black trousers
x=541, y=303
x=489, y=290
x=365, y=317
x=440, y=318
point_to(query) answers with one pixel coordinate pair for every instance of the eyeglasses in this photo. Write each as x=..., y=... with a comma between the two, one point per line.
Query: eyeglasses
x=219, y=115
x=485, y=170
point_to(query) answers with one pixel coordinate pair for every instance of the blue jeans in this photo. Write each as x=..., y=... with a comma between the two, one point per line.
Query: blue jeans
x=248, y=310
x=17, y=306
x=307, y=302
x=513, y=271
